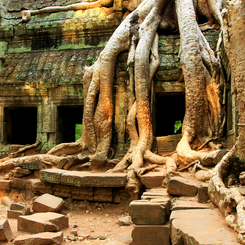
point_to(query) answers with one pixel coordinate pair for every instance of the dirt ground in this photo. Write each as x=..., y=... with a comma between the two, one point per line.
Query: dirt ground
x=97, y=221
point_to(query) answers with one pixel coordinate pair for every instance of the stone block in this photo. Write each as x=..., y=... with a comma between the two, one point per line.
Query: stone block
x=40, y=188
x=48, y=203
x=82, y=193
x=73, y=178
x=200, y=226
x=62, y=191
x=5, y=231
x=34, y=165
x=202, y=194
x=154, y=193
x=20, y=172
x=145, y=212
x=51, y=175
x=14, y=214
x=179, y=186
x=98, y=160
x=40, y=238
x=242, y=178
x=183, y=205
x=103, y=195
x=42, y=222
x=151, y=234
x=21, y=183
x=18, y=206
x=152, y=179
x=104, y=180
x=5, y=185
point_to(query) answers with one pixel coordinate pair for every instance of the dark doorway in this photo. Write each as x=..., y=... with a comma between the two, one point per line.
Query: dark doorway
x=170, y=111
x=20, y=125
x=68, y=118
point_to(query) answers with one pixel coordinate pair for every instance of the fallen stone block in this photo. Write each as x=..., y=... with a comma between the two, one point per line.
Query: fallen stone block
x=98, y=161
x=200, y=226
x=48, y=203
x=42, y=222
x=154, y=193
x=34, y=165
x=17, y=209
x=5, y=231
x=152, y=179
x=179, y=186
x=145, y=212
x=151, y=234
x=5, y=185
x=40, y=239
x=103, y=195
x=202, y=194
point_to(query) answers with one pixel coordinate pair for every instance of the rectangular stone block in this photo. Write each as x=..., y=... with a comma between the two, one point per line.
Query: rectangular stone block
x=21, y=183
x=73, y=178
x=5, y=231
x=152, y=179
x=51, y=175
x=5, y=185
x=202, y=194
x=104, y=180
x=82, y=193
x=151, y=234
x=62, y=191
x=144, y=212
x=14, y=214
x=103, y=195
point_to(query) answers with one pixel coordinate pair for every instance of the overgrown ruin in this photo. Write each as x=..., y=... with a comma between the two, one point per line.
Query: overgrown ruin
x=153, y=85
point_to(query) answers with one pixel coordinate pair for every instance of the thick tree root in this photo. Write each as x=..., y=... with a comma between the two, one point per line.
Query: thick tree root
x=66, y=149
x=229, y=200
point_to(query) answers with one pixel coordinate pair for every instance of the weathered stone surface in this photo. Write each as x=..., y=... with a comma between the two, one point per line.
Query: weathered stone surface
x=200, y=226
x=124, y=221
x=14, y=214
x=154, y=193
x=74, y=178
x=183, y=205
x=152, y=179
x=51, y=175
x=18, y=206
x=62, y=191
x=5, y=185
x=48, y=203
x=42, y=222
x=6, y=201
x=39, y=187
x=5, y=231
x=179, y=186
x=241, y=189
x=103, y=195
x=21, y=183
x=34, y=165
x=151, y=234
x=202, y=194
x=40, y=239
x=82, y=193
x=144, y=212
x=19, y=173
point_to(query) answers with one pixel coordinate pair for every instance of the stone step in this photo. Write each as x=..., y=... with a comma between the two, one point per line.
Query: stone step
x=200, y=226
x=83, y=178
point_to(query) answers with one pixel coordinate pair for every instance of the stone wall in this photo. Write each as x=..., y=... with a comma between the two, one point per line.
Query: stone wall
x=43, y=60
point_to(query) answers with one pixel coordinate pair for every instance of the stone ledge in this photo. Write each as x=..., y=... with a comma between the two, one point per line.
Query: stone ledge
x=83, y=179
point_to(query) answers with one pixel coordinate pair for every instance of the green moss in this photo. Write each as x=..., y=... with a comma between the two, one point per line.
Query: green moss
x=19, y=50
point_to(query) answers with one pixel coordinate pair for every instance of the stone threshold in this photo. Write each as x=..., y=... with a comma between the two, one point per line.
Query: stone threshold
x=83, y=178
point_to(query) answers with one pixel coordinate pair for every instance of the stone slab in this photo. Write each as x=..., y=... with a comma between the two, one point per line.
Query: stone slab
x=51, y=175
x=48, y=203
x=14, y=214
x=179, y=186
x=34, y=165
x=183, y=205
x=42, y=222
x=145, y=212
x=39, y=187
x=40, y=238
x=151, y=234
x=152, y=179
x=85, y=179
x=5, y=231
x=200, y=226
x=21, y=183
x=155, y=193
x=202, y=194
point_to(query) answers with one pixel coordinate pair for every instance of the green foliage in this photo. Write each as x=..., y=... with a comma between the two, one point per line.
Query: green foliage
x=177, y=126
x=90, y=61
x=78, y=131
